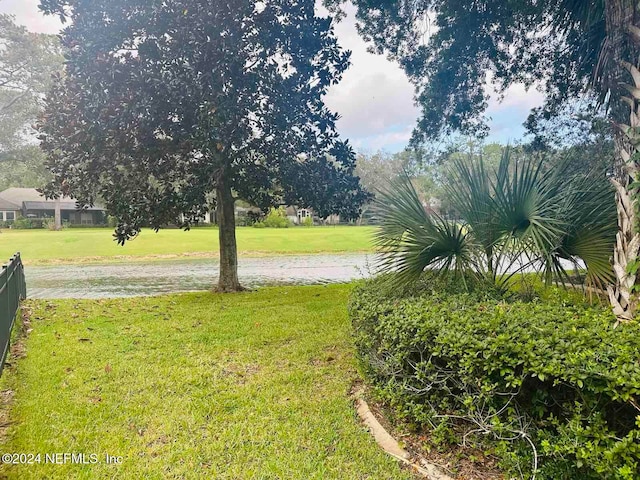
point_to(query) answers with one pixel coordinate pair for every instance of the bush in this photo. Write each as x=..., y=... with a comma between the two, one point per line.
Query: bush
x=23, y=223
x=50, y=224
x=276, y=218
x=307, y=222
x=547, y=382
x=525, y=210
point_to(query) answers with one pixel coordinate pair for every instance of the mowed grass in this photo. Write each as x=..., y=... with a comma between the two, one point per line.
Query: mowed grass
x=248, y=386
x=86, y=245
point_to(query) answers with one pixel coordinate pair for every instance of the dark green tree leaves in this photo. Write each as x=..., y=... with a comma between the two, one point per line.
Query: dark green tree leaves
x=164, y=102
x=451, y=49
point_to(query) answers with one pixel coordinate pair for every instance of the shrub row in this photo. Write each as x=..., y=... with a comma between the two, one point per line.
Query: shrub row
x=27, y=223
x=550, y=386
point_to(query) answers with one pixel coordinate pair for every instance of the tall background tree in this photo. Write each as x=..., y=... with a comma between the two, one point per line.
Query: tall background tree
x=452, y=49
x=376, y=169
x=27, y=63
x=164, y=105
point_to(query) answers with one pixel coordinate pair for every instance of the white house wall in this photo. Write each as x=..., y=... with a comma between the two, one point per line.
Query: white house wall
x=5, y=214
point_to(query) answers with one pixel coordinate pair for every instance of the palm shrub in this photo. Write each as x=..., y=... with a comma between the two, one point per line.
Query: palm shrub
x=522, y=215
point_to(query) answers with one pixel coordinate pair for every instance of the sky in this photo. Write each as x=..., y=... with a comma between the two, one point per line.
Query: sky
x=374, y=98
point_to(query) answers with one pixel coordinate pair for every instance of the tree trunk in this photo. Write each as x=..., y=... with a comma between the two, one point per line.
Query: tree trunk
x=624, y=36
x=626, y=255
x=225, y=213
x=57, y=215
x=627, y=248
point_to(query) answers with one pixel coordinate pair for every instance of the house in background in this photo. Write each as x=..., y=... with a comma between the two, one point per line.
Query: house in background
x=243, y=216
x=9, y=211
x=29, y=203
x=297, y=216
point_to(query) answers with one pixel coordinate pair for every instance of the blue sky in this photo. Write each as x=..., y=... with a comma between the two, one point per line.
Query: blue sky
x=374, y=99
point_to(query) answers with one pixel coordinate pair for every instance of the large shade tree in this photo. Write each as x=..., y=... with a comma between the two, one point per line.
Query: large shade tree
x=168, y=107
x=451, y=50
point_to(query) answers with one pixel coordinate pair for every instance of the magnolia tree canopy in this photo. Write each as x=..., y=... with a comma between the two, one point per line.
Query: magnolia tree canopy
x=166, y=107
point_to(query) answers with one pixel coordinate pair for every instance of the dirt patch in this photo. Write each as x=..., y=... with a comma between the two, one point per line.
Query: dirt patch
x=329, y=356
x=457, y=461
x=462, y=463
x=240, y=373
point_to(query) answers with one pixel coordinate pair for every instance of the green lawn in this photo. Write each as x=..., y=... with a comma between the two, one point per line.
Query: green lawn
x=83, y=245
x=246, y=386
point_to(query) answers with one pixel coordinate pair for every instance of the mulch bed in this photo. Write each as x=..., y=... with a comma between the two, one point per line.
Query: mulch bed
x=457, y=461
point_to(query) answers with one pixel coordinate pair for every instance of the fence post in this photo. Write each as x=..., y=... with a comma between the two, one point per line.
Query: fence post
x=22, y=279
x=7, y=298
x=10, y=290
x=5, y=329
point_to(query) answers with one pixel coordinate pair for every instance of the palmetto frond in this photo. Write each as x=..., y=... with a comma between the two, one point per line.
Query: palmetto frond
x=410, y=240
x=588, y=209
x=470, y=193
x=520, y=215
x=526, y=202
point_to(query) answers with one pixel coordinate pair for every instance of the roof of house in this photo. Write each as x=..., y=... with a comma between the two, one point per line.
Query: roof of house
x=18, y=195
x=34, y=200
x=292, y=210
x=7, y=205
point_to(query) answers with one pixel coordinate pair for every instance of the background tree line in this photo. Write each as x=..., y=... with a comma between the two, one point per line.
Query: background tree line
x=27, y=63
x=574, y=136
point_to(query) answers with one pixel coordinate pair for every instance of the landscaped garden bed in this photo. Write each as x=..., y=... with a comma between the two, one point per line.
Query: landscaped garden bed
x=469, y=342
x=545, y=384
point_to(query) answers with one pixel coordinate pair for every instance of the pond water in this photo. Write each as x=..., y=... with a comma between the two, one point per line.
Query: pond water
x=185, y=275
x=172, y=276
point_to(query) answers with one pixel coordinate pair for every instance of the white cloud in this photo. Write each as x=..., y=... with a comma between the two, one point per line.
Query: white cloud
x=508, y=115
x=27, y=13
x=517, y=96
x=371, y=102
x=374, y=99
x=390, y=141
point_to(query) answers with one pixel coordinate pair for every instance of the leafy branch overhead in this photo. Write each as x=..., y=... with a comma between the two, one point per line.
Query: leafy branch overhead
x=27, y=62
x=451, y=49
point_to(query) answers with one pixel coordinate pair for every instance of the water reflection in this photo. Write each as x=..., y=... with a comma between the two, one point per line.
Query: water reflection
x=172, y=276
x=153, y=278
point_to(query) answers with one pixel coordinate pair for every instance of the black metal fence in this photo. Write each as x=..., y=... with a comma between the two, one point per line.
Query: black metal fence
x=13, y=288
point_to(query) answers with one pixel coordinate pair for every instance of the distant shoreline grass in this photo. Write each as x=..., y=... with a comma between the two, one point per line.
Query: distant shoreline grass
x=96, y=245
x=198, y=385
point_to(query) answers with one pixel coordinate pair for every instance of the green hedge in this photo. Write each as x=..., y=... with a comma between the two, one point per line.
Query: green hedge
x=547, y=383
x=23, y=223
